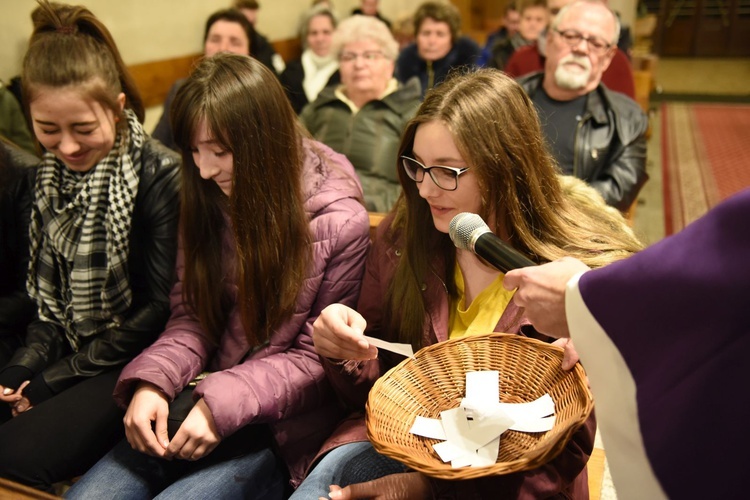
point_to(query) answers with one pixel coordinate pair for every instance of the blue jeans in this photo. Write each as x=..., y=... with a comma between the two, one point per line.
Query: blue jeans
x=126, y=474
x=328, y=471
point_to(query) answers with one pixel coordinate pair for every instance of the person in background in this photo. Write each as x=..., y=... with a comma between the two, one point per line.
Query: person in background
x=594, y=134
x=534, y=19
x=438, y=47
x=364, y=117
x=227, y=30
x=103, y=242
x=262, y=48
x=13, y=125
x=511, y=20
x=272, y=231
x=370, y=8
x=403, y=29
x=668, y=377
x=475, y=145
x=618, y=76
x=304, y=78
x=17, y=170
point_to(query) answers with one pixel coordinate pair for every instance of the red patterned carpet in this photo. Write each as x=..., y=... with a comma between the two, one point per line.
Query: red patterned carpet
x=705, y=158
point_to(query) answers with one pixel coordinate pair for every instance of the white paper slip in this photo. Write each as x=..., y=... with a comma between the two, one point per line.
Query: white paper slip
x=487, y=454
x=428, y=427
x=448, y=451
x=536, y=425
x=402, y=349
x=482, y=386
x=539, y=408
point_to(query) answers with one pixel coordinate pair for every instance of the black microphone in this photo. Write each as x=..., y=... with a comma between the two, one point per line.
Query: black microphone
x=469, y=232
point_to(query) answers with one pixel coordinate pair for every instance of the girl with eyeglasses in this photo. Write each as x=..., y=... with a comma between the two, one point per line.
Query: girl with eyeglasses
x=272, y=231
x=475, y=145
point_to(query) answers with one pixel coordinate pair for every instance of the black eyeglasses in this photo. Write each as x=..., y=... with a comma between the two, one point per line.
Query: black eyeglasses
x=444, y=177
x=573, y=38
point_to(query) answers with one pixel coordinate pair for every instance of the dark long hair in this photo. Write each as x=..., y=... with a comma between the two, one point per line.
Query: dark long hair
x=496, y=129
x=246, y=111
x=70, y=46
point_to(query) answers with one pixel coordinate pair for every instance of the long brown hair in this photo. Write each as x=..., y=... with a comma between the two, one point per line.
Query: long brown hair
x=496, y=130
x=70, y=46
x=246, y=111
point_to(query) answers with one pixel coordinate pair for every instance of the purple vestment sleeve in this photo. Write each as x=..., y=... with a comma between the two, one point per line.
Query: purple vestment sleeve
x=678, y=314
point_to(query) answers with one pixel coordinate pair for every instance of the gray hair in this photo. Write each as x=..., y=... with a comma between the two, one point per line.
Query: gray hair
x=563, y=12
x=318, y=10
x=360, y=28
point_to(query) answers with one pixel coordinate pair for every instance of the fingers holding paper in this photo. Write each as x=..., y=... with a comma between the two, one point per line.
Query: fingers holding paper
x=338, y=333
x=541, y=291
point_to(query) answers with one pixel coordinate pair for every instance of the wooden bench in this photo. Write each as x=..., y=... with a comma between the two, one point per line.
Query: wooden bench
x=155, y=78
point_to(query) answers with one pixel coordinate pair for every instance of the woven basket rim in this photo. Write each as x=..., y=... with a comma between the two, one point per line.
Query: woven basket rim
x=553, y=442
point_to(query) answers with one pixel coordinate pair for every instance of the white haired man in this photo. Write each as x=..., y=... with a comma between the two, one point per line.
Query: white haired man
x=595, y=134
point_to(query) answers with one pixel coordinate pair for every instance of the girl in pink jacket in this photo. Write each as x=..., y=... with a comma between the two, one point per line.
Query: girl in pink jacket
x=273, y=230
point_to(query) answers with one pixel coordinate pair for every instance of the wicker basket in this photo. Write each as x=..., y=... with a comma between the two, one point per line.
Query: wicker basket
x=434, y=380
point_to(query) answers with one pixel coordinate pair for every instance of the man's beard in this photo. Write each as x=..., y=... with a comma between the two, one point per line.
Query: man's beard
x=572, y=80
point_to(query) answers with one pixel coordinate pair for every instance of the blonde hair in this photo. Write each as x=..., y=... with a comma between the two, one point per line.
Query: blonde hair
x=359, y=28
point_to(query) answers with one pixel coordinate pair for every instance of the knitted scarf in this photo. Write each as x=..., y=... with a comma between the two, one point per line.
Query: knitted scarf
x=80, y=238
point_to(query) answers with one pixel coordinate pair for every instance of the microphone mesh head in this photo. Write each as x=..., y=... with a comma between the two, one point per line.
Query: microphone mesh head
x=463, y=227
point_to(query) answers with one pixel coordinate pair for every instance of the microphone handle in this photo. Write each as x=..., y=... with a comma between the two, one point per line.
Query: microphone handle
x=499, y=254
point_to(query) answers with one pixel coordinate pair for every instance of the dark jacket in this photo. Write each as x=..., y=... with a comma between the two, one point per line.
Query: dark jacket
x=369, y=138
x=47, y=356
x=563, y=477
x=16, y=189
x=610, y=148
x=291, y=80
x=465, y=51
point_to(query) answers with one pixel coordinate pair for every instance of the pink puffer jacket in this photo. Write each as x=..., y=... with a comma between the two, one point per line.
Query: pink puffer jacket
x=281, y=383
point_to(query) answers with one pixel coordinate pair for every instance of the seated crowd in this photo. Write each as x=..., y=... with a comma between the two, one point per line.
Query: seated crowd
x=181, y=317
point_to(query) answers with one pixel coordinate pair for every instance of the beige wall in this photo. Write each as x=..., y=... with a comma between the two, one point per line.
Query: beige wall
x=151, y=30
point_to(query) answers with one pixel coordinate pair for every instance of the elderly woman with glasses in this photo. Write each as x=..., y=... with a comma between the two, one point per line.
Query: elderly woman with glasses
x=364, y=116
x=475, y=145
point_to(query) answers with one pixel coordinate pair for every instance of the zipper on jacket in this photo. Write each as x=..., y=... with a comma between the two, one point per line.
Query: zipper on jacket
x=430, y=75
x=576, y=143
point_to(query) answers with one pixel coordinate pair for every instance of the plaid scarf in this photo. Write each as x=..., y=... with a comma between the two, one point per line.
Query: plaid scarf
x=80, y=238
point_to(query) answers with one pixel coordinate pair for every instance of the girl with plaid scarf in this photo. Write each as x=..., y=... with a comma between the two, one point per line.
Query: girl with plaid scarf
x=103, y=186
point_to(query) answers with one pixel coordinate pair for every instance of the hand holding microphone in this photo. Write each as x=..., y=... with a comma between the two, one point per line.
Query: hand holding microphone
x=469, y=232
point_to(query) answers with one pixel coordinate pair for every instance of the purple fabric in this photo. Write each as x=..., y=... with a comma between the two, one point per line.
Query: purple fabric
x=282, y=383
x=678, y=313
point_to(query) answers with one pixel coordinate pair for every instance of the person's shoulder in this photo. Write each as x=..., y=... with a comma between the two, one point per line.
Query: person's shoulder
x=407, y=96
x=531, y=81
x=159, y=163
x=531, y=50
x=620, y=102
x=409, y=52
x=466, y=45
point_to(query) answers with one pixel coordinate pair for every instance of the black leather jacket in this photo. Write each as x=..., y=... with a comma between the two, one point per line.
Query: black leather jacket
x=610, y=148
x=16, y=185
x=153, y=248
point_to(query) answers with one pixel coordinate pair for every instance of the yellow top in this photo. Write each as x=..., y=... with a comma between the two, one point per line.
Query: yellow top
x=483, y=313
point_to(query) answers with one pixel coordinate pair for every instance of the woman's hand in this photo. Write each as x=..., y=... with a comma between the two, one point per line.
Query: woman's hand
x=197, y=436
x=338, y=333
x=149, y=405
x=17, y=401
x=541, y=291
x=11, y=396
x=406, y=486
